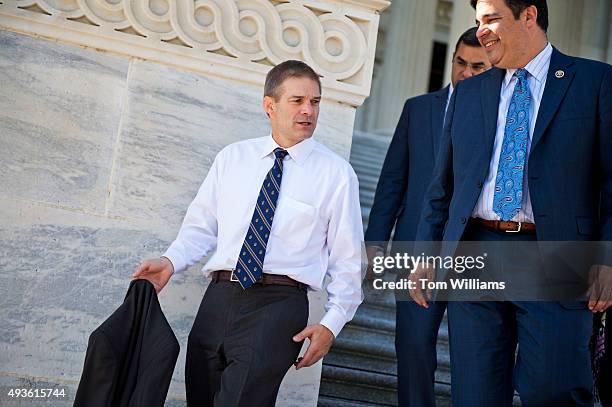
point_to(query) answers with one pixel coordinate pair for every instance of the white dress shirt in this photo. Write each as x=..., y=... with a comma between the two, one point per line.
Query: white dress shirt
x=537, y=69
x=317, y=229
x=451, y=88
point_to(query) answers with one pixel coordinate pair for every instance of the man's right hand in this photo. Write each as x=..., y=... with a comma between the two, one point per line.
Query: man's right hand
x=422, y=272
x=156, y=271
x=371, y=252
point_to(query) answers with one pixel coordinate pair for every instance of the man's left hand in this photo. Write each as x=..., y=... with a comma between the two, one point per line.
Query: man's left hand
x=321, y=339
x=600, y=291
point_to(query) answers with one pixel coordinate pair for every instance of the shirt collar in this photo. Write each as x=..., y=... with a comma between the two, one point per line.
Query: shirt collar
x=298, y=152
x=535, y=67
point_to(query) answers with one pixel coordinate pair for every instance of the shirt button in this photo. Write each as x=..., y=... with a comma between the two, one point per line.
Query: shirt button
x=480, y=184
x=463, y=220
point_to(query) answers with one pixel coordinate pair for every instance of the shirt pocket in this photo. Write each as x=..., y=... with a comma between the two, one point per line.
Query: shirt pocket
x=294, y=222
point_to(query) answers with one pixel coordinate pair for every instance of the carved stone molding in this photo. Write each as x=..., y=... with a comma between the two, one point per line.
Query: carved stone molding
x=237, y=39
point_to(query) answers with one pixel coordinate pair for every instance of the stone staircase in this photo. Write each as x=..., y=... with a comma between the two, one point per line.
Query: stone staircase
x=361, y=368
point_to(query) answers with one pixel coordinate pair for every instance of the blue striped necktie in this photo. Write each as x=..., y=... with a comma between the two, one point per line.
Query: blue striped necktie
x=249, y=268
x=508, y=195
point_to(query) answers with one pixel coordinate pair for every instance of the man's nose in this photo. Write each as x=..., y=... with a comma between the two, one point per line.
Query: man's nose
x=467, y=72
x=307, y=109
x=482, y=32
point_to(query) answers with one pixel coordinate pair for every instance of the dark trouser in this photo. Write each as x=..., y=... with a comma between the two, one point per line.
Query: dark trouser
x=553, y=363
x=416, y=335
x=240, y=346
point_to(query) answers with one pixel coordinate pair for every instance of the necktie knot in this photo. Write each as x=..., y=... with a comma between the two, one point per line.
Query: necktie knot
x=280, y=153
x=521, y=73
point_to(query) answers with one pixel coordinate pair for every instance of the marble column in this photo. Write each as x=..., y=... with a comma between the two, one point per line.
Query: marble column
x=565, y=25
x=595, y=29
x=406, y=61
x=462, y=19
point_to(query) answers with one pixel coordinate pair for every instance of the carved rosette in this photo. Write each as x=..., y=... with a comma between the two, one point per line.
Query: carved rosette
x=238, y=39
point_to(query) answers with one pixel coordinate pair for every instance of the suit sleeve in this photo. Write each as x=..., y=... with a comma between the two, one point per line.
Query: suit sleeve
x=391, y=184
x=605, y=154
x=434, y=214
x=97, y=384
x=605, y=159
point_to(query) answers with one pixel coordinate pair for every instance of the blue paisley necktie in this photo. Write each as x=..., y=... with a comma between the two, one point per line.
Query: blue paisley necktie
x=508, y=194
x=249, y=268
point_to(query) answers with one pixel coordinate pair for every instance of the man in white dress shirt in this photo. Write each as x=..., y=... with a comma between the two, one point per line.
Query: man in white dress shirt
x=281, y=213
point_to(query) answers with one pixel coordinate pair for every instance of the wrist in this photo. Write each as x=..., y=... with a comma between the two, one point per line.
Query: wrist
x=167, y=262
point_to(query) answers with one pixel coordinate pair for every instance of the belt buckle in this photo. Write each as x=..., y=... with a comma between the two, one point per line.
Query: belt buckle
x=233, y=277
x=520, y=224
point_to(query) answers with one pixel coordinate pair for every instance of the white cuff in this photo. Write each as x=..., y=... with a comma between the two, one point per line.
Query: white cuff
x=334, y=321
x=176, y=259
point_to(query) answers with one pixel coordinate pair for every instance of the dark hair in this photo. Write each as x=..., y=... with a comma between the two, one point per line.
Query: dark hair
x=285, y=70
x=517, y=7
x=468, y=38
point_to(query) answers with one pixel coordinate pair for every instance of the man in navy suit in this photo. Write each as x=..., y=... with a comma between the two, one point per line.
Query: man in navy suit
x=526, y=148
x=399, y=194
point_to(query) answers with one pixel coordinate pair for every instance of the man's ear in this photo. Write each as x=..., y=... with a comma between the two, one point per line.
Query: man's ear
x=531, y=15
x=268, y=105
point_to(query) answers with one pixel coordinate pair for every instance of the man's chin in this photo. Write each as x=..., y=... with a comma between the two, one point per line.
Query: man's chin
x=303, y=135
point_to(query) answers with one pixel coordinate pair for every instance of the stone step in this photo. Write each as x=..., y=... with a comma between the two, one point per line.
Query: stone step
x=368, y=387
x=375, y=351
x=358, y=385
x=325, y=401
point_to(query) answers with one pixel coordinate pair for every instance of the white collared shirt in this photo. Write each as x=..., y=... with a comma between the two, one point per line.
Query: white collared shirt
x=317, y=228
x=537, y=69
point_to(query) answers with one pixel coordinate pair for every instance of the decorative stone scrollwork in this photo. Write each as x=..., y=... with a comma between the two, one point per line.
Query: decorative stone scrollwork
x=336, y=37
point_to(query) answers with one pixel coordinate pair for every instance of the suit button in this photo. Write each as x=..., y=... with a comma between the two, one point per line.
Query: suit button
x=463, y=220
x=480, y=184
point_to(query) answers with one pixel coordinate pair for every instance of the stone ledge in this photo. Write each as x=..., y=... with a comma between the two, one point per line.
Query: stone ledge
x=233, y=39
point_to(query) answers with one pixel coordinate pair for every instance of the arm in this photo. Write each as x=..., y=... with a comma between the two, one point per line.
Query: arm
x=344, y=242
x=434, y=214
x=605, y=152
x=391, y=184
x=600, y=277
x=196, y=238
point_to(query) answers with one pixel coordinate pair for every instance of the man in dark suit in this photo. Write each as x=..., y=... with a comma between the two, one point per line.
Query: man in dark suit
x=399, y=194
x=526, y=149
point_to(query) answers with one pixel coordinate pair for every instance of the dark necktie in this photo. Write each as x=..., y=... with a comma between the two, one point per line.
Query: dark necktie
x=249, y=268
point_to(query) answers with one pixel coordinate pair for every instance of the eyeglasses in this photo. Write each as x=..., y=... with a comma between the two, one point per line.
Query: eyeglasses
x=476, y=68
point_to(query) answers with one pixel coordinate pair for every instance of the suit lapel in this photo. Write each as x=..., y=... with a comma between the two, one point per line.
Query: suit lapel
x=491, y=88
x=438, y=105
x=554, y=91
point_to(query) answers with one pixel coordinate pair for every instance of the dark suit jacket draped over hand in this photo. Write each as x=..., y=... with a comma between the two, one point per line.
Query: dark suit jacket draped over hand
x=131, y=356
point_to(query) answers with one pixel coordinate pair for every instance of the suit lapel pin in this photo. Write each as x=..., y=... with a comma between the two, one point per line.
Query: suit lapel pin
x=559, y=74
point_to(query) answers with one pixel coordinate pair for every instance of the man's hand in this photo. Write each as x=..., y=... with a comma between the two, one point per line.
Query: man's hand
x=321, y=339
x=157, y=271
x=422, y=271
x=600, y=288
x=371, y=252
